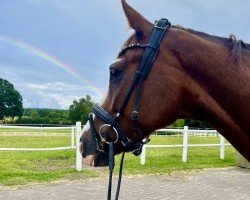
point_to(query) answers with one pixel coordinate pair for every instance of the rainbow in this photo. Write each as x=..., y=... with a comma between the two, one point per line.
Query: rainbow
x=52, y=59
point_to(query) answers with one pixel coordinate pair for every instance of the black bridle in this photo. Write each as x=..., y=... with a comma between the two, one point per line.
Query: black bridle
x=129, y=145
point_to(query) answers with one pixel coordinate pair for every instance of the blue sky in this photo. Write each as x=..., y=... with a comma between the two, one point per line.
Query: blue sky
x=84, y=37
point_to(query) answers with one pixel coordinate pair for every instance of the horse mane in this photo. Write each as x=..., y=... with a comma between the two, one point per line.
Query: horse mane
x=232, y=42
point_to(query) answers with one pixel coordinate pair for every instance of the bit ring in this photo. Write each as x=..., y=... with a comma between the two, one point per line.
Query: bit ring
x=102, y=138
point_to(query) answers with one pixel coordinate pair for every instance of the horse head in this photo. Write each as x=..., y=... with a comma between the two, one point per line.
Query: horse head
x=151, y=111
x=191, y=76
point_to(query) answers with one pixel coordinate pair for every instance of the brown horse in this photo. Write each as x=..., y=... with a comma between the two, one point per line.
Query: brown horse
x=195, y=75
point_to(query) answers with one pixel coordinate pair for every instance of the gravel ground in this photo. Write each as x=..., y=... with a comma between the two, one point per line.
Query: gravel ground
x=216, y=184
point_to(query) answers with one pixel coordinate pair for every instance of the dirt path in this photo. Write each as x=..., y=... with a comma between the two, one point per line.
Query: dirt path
x=217, y=184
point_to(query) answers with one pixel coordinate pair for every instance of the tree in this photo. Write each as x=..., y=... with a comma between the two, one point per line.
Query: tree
x=45, y=116
x=196, y=123
x=11, y=102
x=178, y=123
x=33, y=113
x=79, y=110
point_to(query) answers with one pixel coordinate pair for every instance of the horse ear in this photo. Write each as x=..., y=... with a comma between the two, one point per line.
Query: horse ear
x=136, y=20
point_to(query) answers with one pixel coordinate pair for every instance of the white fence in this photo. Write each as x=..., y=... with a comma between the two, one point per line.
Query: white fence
x=185, y=144
x=78, y=153
x=76, y=132
x=40, y=132
x=34, y=130
x=191, y=132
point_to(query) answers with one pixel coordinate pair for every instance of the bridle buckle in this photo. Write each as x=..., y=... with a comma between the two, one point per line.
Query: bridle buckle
x=138, y=151
x=159, y=27
x=134, y=115
x=125, y=142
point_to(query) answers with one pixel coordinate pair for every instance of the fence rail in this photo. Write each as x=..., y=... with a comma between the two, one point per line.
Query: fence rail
x=37, y=127
x=37, y=149
x=185, y=145
x=33, y=134
x=192, y=132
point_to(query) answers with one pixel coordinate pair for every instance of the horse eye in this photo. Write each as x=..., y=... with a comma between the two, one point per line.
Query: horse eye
x=114, y=74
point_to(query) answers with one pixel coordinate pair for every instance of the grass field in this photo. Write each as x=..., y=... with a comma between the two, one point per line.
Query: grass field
x=17, y=168
x=42, y=131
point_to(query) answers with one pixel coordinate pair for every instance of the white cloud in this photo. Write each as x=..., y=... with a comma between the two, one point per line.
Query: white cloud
x=54, y=87
x=34, y=86
x=51, y=95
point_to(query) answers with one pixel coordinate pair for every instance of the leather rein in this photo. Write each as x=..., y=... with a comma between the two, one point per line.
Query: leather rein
x=129, y=145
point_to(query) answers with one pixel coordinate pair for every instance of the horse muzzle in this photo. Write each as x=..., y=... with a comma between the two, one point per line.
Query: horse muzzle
x=100, y=159
x=93, y=156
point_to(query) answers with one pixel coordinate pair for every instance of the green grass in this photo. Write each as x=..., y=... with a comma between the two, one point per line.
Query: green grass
x=37, y=130
x=18, y=168
x=167, y=160
x=25, y=167
x=34, y=141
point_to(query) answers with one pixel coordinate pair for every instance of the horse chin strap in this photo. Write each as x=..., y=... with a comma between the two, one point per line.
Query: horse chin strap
x=134, y=146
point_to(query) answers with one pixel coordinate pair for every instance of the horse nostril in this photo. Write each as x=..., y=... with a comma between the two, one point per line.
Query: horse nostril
x=81, y=139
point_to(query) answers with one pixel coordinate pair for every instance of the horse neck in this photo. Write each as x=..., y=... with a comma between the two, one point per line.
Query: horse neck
x=216, y=89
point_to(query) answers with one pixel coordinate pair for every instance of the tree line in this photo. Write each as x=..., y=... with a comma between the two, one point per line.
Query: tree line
x=78, y=111
x=12, y=111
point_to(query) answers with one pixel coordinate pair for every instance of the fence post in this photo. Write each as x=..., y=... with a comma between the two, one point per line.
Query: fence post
x=185, y=144
x=143, y=155
x=222, y=147
x=78, y=153
x=72, y=137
